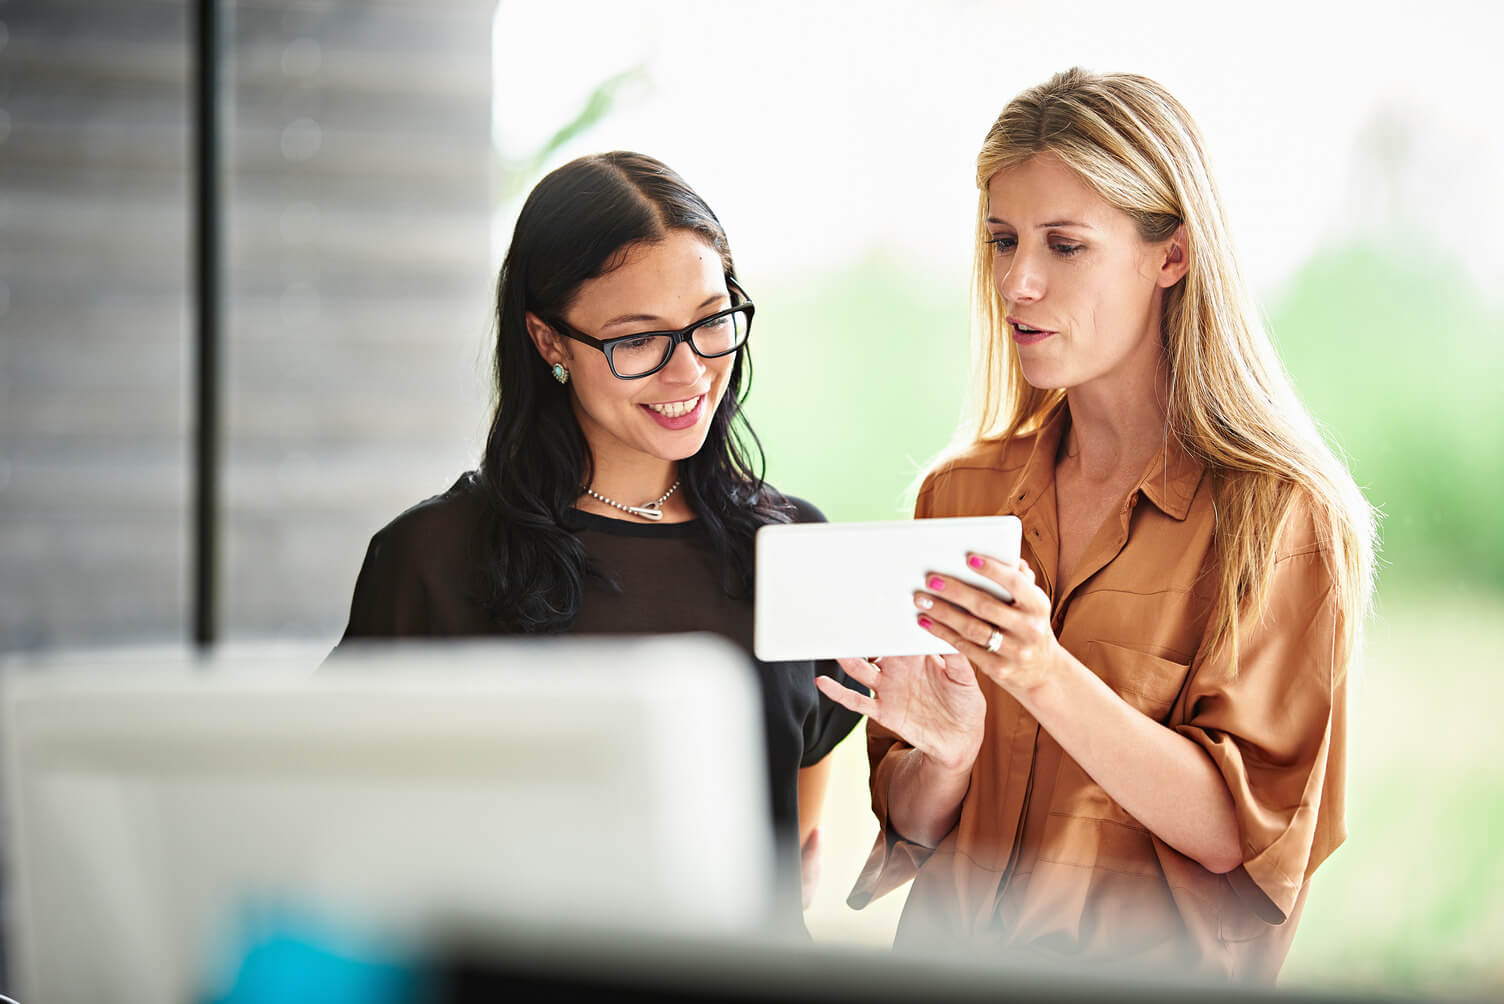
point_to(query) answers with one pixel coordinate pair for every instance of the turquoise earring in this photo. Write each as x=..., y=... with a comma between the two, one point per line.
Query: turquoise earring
x=560, y=373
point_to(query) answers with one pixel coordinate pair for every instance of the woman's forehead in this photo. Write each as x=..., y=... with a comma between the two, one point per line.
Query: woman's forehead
x=655, y=281
x=1044, y=191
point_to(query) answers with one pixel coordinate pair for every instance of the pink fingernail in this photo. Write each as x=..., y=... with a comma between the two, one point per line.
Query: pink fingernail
x=936, y=583
x=925, y=623
x=974, y=561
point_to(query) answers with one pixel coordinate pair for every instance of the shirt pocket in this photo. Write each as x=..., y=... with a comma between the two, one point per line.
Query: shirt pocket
x=1148, y=682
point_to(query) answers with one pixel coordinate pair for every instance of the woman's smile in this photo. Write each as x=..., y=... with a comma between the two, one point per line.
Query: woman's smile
x=677, y=414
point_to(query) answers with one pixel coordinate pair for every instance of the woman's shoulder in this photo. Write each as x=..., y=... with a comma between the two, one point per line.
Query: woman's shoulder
x=1305, y=530
x=977, y=474
x=803, y=511
x=420, y=569
x=439, y=524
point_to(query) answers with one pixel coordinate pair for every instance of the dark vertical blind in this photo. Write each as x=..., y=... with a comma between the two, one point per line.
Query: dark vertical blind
x=207, y=299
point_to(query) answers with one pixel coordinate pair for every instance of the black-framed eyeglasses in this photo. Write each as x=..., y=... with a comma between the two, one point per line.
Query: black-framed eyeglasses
x=632, y=357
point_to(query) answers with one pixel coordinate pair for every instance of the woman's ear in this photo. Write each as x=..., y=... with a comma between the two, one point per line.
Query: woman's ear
x=545, y=339
x=1177, y=259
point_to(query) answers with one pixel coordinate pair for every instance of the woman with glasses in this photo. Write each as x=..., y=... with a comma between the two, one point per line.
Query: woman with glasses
x=1139, y=757
x=620, y=488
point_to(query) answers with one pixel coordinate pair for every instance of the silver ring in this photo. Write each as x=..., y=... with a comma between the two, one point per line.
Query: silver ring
x=995, y=640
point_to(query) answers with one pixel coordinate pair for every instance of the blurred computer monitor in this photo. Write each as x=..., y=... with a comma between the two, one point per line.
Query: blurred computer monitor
x=157, y=813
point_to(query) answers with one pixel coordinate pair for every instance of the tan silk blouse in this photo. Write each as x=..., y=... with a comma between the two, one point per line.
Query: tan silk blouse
x=1042, y=861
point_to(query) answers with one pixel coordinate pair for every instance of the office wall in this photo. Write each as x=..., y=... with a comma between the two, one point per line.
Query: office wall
x=357, y=308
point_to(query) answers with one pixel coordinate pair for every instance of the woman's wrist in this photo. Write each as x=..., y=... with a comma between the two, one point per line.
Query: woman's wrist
x=1047, y=690
x=927, y=798
x=951, y=766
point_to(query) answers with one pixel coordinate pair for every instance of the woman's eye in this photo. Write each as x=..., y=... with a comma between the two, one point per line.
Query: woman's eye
x=636, y=343
x=716, y=324
x=1002, y=245
x=1066, y=250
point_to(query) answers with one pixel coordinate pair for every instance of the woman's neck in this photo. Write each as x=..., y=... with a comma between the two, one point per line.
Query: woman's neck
x=634, y=482
x=1116, y=426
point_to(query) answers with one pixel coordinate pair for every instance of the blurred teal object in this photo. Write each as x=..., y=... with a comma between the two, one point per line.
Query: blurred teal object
x=299, y=969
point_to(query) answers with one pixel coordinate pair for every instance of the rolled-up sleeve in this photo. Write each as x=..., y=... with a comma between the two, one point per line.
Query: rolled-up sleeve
x=1274, y=724
x=893, y=860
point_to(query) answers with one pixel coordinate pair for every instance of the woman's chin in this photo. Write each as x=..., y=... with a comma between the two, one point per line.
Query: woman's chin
x=681, y=443
x=682, y=450
x=1043, y=379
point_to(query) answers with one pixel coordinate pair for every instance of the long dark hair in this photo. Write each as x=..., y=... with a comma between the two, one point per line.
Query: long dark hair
x=577, y=224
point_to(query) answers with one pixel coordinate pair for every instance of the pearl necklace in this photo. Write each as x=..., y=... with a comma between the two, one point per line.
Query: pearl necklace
x=648, y=510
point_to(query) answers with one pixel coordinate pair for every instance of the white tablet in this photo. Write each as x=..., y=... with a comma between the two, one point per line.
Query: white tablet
x=826, y=590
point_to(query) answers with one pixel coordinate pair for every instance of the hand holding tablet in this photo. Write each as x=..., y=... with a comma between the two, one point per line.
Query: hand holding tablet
x=827, y=590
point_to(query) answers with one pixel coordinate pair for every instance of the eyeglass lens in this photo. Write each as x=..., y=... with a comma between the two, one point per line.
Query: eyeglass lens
x=713, y=338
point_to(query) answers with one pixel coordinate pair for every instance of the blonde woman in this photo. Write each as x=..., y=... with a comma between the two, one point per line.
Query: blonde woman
x=1141, y=758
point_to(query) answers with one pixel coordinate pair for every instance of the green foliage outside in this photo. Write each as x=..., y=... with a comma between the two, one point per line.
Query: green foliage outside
x=1411, y=901
x=858, y=381
x=514, y=173
x=1404, y=364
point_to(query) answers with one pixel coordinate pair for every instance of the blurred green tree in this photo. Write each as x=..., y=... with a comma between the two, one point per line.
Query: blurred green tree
x=1402, y=360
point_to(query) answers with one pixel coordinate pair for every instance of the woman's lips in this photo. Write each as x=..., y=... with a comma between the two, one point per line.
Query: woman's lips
x=1027, y=334
x=676, y=419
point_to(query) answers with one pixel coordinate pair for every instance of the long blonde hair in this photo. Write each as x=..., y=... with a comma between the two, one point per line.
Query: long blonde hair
x=1231, y=405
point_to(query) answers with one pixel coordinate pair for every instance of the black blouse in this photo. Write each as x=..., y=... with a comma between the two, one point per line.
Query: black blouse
x=421, y=577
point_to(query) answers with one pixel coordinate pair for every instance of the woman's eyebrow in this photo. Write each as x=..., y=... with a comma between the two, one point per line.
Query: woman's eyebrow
x=1042, y=226
x=654, y=318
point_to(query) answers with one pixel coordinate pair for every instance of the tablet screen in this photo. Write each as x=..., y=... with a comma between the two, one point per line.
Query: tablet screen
x=826, y=590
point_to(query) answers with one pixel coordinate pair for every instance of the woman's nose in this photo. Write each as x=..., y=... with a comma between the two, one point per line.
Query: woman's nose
x=1023, y=282
x=683, y=365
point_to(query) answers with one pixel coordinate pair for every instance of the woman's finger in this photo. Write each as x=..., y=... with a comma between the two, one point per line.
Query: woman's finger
x=1014, y=621
x=860, y=670
x=964, y=624
x=978, y=626
x=847, y=698
x=1017, y=581
x=954, y=638
x=956, y=669
x=978, y=602
x=990, y=568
